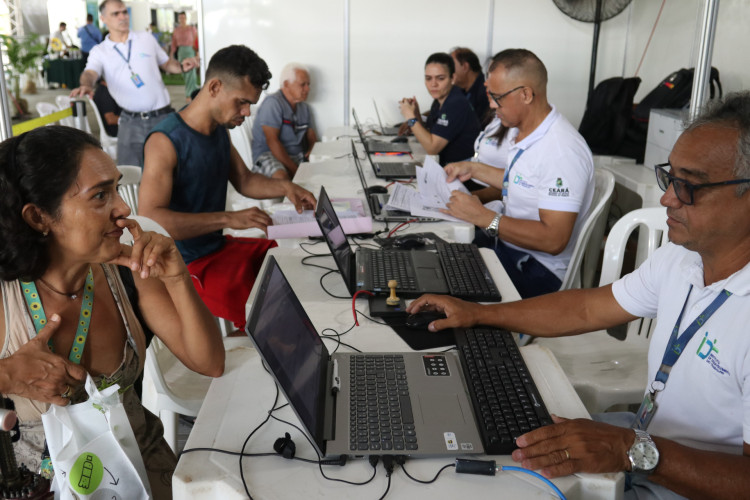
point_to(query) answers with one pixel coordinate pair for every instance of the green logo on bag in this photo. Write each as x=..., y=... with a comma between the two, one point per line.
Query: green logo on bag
x=86, y=474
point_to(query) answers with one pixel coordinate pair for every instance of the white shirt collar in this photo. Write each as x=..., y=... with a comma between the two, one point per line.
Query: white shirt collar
x=537, y=134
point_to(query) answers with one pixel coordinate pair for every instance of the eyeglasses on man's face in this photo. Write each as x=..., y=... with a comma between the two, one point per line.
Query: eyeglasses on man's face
x=684, y=190
x=499, y=97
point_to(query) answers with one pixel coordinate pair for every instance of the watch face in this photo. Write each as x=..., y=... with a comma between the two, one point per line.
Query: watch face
x=645, y=456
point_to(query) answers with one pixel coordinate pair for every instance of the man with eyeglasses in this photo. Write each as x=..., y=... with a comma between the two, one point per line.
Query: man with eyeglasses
x=284, y=131
x=189, y=159
x=546, y=188
x=690, y=437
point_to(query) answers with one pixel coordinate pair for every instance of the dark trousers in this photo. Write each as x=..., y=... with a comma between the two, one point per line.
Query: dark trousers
x=529, y=276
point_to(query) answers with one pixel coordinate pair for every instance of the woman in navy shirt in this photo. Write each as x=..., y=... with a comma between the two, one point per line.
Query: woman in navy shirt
x=451, y=126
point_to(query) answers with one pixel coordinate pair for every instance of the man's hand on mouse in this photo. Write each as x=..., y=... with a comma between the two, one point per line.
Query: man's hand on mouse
x=458, y=312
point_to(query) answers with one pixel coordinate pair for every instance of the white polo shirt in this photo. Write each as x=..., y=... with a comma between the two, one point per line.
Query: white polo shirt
x=706, y=401
x=554, y=172
x=145, y=58
x=489, y=150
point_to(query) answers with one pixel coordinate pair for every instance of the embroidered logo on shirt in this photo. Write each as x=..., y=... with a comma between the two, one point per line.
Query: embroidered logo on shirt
x=443, y=120
x=707, y=350
x=520, y=181
x=559, y=191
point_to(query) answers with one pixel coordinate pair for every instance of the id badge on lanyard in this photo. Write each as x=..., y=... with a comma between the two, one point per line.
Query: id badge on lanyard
x=675, y=347
x=134, y=77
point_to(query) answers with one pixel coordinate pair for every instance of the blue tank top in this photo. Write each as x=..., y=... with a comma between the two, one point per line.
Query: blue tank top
x=200, y=179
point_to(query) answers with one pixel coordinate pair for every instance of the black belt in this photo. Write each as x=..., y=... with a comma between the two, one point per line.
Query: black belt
x=145, y=115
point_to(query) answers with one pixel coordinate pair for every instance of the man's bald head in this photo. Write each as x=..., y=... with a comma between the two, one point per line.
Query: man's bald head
x=523, y=67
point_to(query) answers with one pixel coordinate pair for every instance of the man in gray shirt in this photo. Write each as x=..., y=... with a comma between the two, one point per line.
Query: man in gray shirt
x=283, y=130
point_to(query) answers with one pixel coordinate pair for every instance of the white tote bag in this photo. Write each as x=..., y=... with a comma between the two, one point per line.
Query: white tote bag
x=93, y=450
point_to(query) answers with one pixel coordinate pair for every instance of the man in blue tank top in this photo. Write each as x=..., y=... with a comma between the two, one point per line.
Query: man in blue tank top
x=188, y=160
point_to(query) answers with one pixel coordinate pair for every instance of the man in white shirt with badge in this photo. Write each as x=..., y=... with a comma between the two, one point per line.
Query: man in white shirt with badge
x=547, y=187
x=690, y=437
x=130, y=62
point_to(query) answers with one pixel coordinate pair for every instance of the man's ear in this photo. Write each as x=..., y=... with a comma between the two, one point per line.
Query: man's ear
x=36, y=218
x=214, y=86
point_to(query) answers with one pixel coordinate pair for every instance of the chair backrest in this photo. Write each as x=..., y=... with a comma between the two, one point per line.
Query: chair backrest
x=652, y=224
x=46, y=108
x=128, y=188
x=592, y=232
x=242, y=140
x=99, y=120
x=63, y=102
x=146, y=224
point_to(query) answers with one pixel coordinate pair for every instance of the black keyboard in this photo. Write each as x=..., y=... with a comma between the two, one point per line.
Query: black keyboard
x=466, y=273
x=395, y=265
x=380, y=412
x=506, y=401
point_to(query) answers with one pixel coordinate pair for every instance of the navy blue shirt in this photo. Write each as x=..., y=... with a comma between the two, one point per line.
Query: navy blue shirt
x=455, y=121
x=477, y=96
x=200, y=179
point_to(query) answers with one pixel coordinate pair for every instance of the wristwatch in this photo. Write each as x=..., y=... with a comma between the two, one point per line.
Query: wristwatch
x=411, y=122
x=491, y=230
x=643, y=455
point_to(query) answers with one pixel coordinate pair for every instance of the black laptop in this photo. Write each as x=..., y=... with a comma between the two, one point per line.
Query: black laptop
x=417, y=271
x=383, y=129
x=378, y=201
x=374, y=146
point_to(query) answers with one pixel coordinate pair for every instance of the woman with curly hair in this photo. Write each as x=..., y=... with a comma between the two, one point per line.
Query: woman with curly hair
x=65, y=309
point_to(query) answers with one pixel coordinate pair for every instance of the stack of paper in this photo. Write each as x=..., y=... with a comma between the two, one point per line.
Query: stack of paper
x=287, y=223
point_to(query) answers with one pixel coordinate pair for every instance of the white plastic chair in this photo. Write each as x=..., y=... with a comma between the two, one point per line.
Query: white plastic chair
x=603, y=370
x=63, y=102
x=242, y=140
x=109, y=143
x=128, y=188
x=586, y=251
x=46, y=108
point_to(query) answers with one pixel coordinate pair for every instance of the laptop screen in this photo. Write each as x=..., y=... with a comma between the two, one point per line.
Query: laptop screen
x=334, y=235
x=358, y=166
x=361, y=133
x=291, y=347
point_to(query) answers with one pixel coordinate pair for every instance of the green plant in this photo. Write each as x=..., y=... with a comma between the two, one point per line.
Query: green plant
x=22, y=55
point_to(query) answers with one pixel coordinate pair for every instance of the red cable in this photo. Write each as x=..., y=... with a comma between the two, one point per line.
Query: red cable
x=649, y=37
x=354, y=300
x=400, y=226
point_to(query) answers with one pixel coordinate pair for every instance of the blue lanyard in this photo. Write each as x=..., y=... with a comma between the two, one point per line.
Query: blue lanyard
x=677, y=344
x=506, y=177
x=127, y=61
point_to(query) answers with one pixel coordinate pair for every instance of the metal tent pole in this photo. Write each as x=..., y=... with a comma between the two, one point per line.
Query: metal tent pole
x=6, y=126
x=702, y=74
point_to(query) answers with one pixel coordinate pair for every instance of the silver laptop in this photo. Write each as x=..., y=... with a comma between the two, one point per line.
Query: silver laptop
x=378, y=201
x=412, y=403
x=384, y=130
x=373, y=146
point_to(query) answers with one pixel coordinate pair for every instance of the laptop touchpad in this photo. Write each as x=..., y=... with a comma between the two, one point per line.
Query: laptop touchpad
x=440, y=409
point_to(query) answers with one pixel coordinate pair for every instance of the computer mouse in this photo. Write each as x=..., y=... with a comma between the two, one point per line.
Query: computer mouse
x=409, y=241
x=377, y=189
x=400, y=138
x=421, y=320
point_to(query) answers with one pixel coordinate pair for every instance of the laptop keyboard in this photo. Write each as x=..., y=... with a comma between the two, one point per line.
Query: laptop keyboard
x=392, y=265
x=466, y=273
x=506, y=401
x=380, y=412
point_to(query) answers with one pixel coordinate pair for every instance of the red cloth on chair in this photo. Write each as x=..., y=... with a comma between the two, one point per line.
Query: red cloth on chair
x=224, y=278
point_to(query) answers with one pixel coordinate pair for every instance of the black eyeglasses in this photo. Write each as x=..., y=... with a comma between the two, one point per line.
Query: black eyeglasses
x=684, y=190
x=499, y=97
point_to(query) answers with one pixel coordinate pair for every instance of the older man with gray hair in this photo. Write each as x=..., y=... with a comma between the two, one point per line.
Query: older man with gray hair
x=283, y=131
